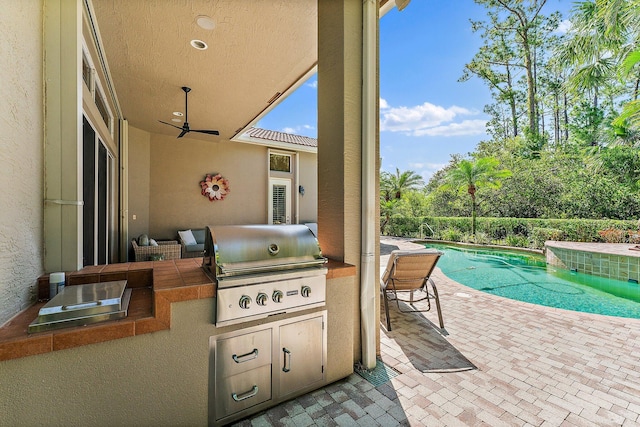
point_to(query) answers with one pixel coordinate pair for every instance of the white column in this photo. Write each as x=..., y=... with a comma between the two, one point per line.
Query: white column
x=63, y=135
x=369, y=270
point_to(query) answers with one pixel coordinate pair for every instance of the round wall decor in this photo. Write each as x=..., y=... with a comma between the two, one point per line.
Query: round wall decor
x=215, y=187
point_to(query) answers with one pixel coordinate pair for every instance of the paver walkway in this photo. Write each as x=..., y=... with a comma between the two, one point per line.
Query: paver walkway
x=498, y=363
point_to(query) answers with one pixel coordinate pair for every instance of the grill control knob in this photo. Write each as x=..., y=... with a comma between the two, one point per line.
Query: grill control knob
x=277, y=296
x=305, y=291
x=261, y=299
x=245, y=301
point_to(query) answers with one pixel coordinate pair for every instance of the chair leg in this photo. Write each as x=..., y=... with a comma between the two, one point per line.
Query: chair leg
x=386, y=310
x=435, y=294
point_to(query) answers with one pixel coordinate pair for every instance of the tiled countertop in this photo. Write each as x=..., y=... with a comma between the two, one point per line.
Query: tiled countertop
x=154, y=285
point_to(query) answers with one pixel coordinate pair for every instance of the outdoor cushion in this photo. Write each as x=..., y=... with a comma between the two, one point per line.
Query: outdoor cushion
x=199, y=247
x=143, y=240
x=199, y=235
x=187, y=237
x=195, y=247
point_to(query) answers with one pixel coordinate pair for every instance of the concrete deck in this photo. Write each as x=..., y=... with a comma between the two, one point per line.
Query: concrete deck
x=497, y=363
x=624, y=249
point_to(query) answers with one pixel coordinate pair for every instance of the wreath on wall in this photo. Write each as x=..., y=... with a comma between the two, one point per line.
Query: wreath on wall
x=215, y=187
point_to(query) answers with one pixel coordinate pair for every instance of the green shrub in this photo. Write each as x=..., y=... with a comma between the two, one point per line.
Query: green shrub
x=613, y=235
x=517, y=241
x=497, y=229
x=539, y=235
x=451, y=234
x=482, y=238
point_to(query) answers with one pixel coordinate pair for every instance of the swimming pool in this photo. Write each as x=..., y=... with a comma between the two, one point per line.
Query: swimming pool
x=526, y=277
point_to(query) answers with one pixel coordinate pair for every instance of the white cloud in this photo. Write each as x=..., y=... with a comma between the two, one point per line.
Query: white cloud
x=466, y=127
x=383, y=104
x=427, y=166
x=299, y=130
x=313, y=84
x=426, y=170
x=430, y=120
x=564, y=27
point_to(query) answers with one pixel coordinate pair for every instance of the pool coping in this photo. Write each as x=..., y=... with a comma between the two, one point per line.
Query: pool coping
x=479, y=245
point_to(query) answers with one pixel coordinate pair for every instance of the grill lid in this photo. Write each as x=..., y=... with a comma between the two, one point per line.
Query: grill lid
x=249, y=249
x=83, y=304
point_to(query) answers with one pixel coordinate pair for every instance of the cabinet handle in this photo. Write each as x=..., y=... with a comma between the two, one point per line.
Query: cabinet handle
x=285, y=368
x=246, y=395
x=245, y=357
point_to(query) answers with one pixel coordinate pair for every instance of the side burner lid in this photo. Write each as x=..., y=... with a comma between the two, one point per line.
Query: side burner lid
x=83, y=304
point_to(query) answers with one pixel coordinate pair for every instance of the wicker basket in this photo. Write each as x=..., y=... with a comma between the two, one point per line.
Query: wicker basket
x=169, y=249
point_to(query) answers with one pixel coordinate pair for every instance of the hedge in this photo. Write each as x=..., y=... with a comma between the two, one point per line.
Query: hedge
x=535, y=229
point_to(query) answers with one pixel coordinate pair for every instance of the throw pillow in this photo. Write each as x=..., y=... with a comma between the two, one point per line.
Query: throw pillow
x=187, y=237
x=152, y=242
x=143, y=240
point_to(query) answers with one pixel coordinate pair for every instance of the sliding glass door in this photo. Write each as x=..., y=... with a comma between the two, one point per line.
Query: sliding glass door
x=96, y=169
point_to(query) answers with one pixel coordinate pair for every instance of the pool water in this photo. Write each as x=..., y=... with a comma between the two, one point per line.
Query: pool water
x=527, y=277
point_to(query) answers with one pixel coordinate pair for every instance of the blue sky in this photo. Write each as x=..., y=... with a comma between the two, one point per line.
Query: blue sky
x=425, y=113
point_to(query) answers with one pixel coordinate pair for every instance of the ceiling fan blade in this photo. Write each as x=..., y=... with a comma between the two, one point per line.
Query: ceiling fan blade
x=210, y=132
x=183, y=133
x=177, y=127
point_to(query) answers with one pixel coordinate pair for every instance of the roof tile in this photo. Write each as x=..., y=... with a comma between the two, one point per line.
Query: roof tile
x=272, y=135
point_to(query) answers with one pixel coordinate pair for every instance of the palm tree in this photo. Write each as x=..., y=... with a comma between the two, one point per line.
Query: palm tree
x=603, y=48
x=392, y=186
x=602, y=34
x=387, y=209
x=469, y=175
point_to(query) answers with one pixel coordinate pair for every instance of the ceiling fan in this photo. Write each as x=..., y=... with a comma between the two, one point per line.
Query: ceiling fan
x=185, y=126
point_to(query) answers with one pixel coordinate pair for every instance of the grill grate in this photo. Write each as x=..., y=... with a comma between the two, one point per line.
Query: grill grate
x=378, y=375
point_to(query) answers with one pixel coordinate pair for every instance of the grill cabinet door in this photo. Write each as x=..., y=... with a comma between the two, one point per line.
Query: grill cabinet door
x=301, y=354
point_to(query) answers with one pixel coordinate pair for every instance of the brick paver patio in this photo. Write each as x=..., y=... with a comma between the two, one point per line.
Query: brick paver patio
x=497, y=363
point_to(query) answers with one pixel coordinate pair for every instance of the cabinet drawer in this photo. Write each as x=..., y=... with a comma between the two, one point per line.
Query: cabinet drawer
x=242, y=353
x=242, y=391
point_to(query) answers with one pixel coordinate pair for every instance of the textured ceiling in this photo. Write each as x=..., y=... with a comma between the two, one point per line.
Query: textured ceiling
x=257, y=48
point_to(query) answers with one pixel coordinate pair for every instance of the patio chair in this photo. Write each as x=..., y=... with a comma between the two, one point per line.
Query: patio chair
x=410, y=272
x=169, y=249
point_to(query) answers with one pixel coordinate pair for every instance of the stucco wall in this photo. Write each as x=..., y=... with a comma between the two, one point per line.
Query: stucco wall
x=21, y=153
x=139, y=167
x=178, y=166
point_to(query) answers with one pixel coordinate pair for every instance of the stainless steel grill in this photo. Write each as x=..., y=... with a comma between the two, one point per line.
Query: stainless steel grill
x=263, y=270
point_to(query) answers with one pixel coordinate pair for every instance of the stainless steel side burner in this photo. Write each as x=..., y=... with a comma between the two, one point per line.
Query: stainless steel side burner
x=83, y=304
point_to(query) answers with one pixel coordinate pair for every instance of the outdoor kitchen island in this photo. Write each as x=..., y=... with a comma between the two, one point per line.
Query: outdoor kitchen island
x=152, y=367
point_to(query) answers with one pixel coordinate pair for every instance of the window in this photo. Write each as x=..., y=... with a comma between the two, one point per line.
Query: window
x=282, y=204
x=86, y=71
x=280, y=162
x=279, y=204
x=92, y=80
x=102, y=108
x=280, y=197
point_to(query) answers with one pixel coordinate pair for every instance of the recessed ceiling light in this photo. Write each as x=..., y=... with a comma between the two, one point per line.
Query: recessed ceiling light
x=205, y=22
x=178, y=113
x=199, y=44
x=176, y=120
